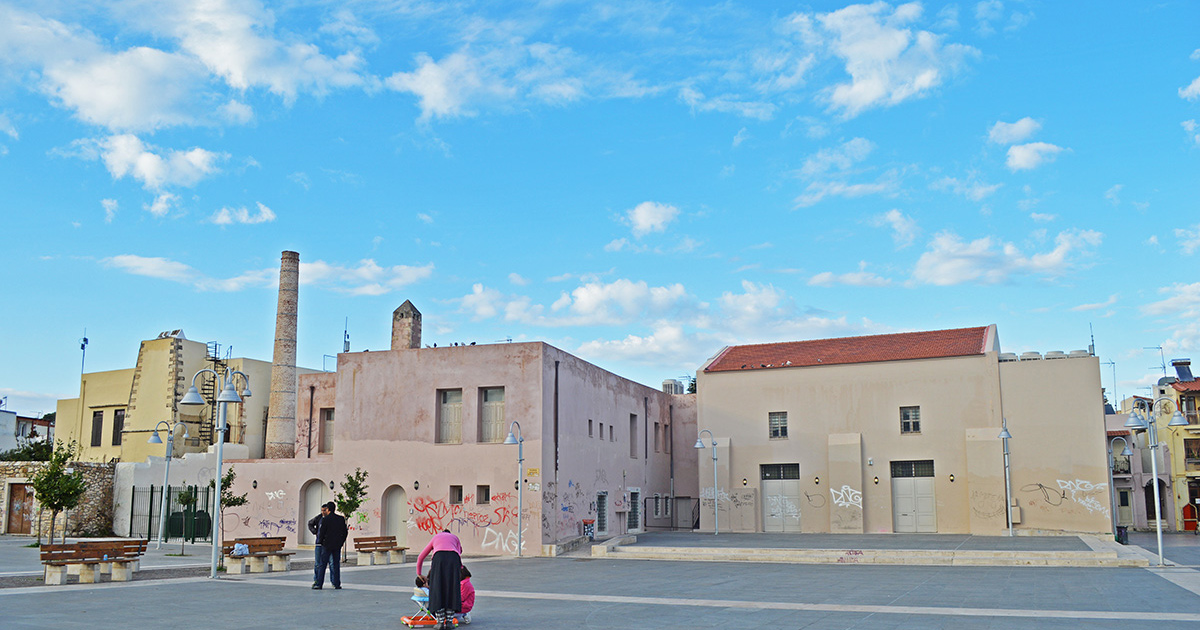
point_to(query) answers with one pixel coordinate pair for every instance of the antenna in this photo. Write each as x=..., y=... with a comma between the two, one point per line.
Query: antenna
x=1115, y=398
x=1162, y=357
x=346, y=336
x=83, y=349
x=1092, y=345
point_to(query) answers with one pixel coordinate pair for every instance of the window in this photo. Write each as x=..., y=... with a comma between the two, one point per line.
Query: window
x=491, y=415
x=910, y=419
x=118, y=426
x=667, y=507
x=611, y=437
x=777, y=424
x=97, y=428
x=919, y=468
x=656, y=442
x=325, y=436
x=657, y=505
x=602, y=513
x=633, y=435
x=483, y=495
x=666, y=438
x=590, y=434
x=456, y=495
x=1191, y=454
x=779, y=471
x=449, y=426
x=601, y=430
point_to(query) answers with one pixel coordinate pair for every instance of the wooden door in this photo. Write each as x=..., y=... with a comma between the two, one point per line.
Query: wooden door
x=20, y=508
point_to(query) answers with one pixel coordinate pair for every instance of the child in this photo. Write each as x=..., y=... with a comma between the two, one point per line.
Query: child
x=421, y=590
x=468, y=596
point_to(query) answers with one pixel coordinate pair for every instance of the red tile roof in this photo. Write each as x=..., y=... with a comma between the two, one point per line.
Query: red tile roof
x=1192, y=386
x=1112, y=433
x=895, y=347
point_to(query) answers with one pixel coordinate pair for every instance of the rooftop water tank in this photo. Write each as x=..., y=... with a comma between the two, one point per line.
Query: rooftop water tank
x=1031, y=356
x=1008, y=357
x=1056, y=354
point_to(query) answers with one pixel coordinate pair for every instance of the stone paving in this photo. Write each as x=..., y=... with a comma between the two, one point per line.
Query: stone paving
x=602, y=593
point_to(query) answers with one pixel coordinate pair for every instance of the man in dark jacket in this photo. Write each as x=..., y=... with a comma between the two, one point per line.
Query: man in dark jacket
x=331, y=535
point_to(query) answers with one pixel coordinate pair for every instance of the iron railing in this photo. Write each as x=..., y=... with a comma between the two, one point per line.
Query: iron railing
x=193, y=523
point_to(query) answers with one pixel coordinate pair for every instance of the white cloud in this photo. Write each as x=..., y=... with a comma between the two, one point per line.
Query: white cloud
x=1192, y=129
x=1023, y=157
x=950, y=261
x=816, y=191
x=126, y=155
x=1192, y=91
x=591, y=304
x=425, y=218
x=616, y=245
x=1189, y=240
x=650, y=216
x=1012, y=133
x=236, y=112
x=162, y=204
x=840, y=158
x=970, y=188
x=229, y=216
x=368, y=278
x=887, y=62
x=860, y=278
x=1184, y=301
x=1112, y=299
x=904, y=228
x=7, y=128
x=517, y=279
x=1039, y=217
x=738, y=138
x=1113, y=195
x=110, y=209
x=25, y=402
x=727, y=104
x=174, y=271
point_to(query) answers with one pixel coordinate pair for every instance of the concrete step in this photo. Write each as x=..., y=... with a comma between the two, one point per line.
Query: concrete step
x=873, y=556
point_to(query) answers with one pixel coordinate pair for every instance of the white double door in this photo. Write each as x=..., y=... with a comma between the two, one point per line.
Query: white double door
x=914, y=506
x=781, y=505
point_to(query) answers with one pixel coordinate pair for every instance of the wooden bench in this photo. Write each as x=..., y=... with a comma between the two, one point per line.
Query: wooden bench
x=89, y=559
x=378, y=550
x=265, y=555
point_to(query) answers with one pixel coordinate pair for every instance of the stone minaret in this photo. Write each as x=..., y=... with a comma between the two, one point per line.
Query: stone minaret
x=281, y=411
x=406, y=327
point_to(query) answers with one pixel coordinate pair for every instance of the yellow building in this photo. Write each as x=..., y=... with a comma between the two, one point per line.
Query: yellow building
x=1184, y=442
x=117, y=410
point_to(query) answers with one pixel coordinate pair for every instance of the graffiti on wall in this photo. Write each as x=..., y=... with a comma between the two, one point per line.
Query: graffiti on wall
x=987, y=504
x=493, y=524
x=781, y=506
x=1084, y=493
x=846, y=497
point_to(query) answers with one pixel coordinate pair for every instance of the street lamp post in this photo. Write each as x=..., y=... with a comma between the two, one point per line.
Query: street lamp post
x=1112, y=471
x=700, y=444
x=519, y=440
x=1005, y=436
x=1139, y=422
x=228, y=394
x=154, y=439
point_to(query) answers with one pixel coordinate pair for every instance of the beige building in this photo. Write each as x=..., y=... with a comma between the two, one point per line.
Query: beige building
x=899, y=433
x=117, y=410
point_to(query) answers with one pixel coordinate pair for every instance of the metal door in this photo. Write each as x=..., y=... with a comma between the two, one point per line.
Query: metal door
x=20, y=508
x=781, y=505
x=914, y=506
x=1124, y=508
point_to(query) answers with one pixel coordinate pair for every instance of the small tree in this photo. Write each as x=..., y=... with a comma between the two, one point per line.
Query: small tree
x=57, y=489
x=228, y=499
x=187, y=500
x=352, y=494
x=29, y=450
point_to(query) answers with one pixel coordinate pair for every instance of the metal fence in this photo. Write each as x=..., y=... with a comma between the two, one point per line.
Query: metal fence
x=193, y=523
x=671, y=513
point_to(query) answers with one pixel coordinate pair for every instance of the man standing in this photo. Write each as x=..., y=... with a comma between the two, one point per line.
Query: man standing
x=331, y=535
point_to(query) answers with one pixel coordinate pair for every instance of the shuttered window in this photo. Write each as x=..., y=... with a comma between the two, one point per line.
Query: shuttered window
x=492, y=415
x=449, y=427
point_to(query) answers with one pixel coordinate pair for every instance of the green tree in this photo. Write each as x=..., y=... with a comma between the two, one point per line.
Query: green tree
x=187, y=500
x=352, y=494
x=691, y=388
x=228, y=498
x=29, y=450
x=55, y=488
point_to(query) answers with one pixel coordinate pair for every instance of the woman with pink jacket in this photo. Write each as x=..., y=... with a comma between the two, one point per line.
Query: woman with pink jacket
x=445, y=596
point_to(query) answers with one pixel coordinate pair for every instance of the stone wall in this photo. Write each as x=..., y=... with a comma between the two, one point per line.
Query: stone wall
x=92, y=517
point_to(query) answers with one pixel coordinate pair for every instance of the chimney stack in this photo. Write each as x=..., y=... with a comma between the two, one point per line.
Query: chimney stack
x=281, y=410
x=406, y=327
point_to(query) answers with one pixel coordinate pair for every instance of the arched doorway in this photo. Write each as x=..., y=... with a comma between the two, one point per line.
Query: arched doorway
x=1153, y=511
x=314, y=494
x=395, y=515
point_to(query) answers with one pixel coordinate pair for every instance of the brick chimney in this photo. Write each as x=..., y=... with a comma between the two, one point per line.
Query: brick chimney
x=406, y=327
x=281, y=410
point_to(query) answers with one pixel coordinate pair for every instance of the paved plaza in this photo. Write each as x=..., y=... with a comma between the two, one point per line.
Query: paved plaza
x=581, y=592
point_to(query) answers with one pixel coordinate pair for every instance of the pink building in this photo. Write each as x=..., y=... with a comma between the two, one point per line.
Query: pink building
x=428, y=425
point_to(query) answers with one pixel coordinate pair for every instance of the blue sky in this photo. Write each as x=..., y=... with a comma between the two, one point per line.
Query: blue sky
x=639, y=183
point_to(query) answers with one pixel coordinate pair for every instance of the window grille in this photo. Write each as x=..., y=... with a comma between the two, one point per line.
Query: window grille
x=780, y=471
x=777, y=423
x=910, y=419
x=917, y=468
x=602, y=513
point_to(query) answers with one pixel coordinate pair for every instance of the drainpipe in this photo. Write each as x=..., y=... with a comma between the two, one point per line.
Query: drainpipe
x=556, y=492
x=668, y=438
x=312, y=389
